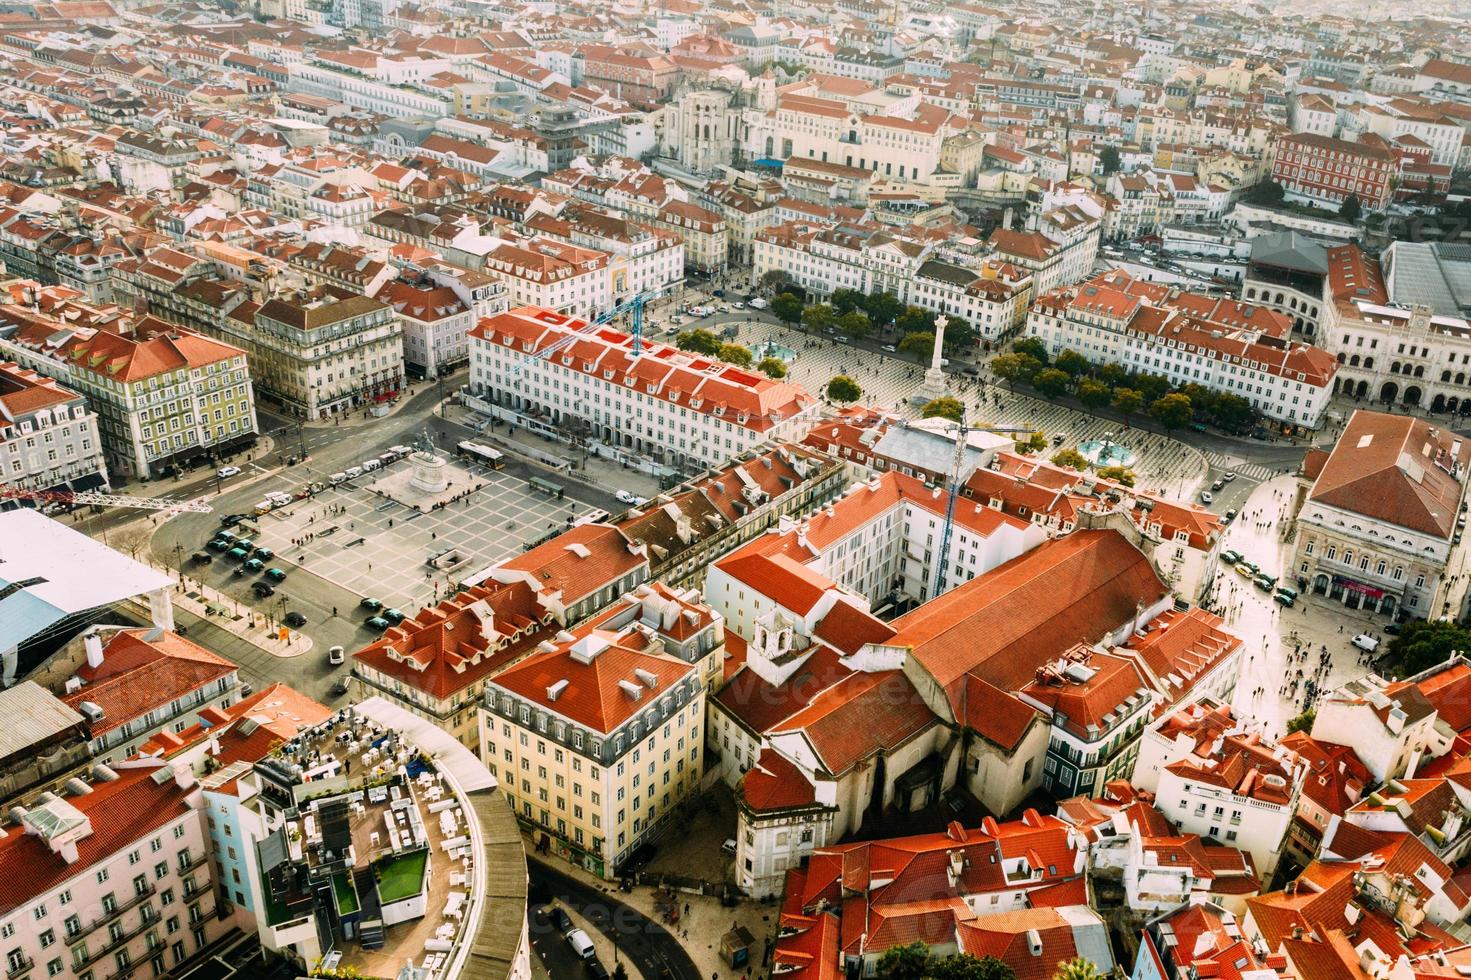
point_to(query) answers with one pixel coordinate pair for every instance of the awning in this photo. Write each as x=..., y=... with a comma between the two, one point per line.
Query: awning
x=1350, y=585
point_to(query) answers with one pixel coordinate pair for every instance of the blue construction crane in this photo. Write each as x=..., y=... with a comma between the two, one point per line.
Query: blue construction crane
x=961, y=431
x=634, y=306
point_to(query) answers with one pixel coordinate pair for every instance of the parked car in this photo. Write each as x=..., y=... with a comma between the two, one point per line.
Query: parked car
x=1230, y=557
x=336, y=655
x=393, y=616
x=1265, y=582
x=337, y=478
x=254, y=565
x=246, y=543
x=295, y=619
x=226, y=536
x=226, y=471
x=1206, y=497
x=230, y=520
x=275, y=575
x=217, y=544
x=372, y=604
x=624, y=497
x=1366, y=642
x=262, y=589
x=595, y=970
x=560, y=920
x=376, y=623
x=237, y=554
x=1283, y=599
x=264, y=554
x=758, y=303
x=353, y=472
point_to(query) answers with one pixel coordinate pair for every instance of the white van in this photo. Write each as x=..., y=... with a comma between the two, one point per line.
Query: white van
x=758, y=303
x=581, y=945
x=337, y=478
x=353, y=472
x=278, y=498
x=371, y=464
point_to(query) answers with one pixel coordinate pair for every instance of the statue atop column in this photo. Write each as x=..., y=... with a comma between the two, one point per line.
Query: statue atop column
x=934, y=377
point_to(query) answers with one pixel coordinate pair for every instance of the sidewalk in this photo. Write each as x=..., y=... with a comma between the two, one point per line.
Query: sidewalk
x=358, y=417
x=596, y=471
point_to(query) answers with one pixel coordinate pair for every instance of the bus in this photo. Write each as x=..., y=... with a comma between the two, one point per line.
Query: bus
x=493, y=458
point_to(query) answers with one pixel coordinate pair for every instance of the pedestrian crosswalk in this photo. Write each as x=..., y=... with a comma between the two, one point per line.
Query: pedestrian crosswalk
x=1250, y=471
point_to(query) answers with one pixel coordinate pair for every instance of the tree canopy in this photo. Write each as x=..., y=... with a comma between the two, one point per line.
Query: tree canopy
x=1351, y=209
x=735, y=354
x=915, y=962
x=699, y=341
x=787, y=308
x=1173, y=411
x=855, y=324
x=1070, y=458
x=921, y=345
x=945, y=407
x=818, y=317
x=1423, y=644
x=1052, y=382
x=844, y=389
x=772, y=367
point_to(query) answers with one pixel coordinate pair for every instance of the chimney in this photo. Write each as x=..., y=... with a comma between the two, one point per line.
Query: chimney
x=93, y=642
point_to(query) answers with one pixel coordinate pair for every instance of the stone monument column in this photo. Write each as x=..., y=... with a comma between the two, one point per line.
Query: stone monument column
x=934, y=377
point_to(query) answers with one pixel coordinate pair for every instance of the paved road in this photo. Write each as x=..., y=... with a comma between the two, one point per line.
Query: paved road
x=651, y=947
x=551, y=947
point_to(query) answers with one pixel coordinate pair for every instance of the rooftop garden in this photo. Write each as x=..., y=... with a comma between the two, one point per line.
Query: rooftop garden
x=401, y=876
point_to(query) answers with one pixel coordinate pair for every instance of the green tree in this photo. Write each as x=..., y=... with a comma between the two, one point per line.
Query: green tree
x=960, y=335
x=1032, y=346
x=1015, y=367
x=1111, y=374
x=1173, y=411
x=967, y=967
x=1268, y=193
x=1093, y=394
x=1052, y=382
x=843, y=389
x=1033, y=443
x=882, y=308
x=699, y=342
x=944, y=407
x=1151, y=386
x=921, y=345
x=1072, y=362
x=1076, y=969
x=846, y=300
x=818, y=317
x=1109, y=159
x=855, y=324
x=1127, y=400
x=1303, y=722
x=1351, y=209
x=1423, y=644
x=773, y=280
x=915, y=319
x=1118, y=474
x=909, y=962
x=1070, y=458
x=787, y=308
x=772, y=367
x=735, y=354
x=1233, y=413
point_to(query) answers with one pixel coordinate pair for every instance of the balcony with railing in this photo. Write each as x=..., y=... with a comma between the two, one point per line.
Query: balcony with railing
x=117, y=910
x=18, y=965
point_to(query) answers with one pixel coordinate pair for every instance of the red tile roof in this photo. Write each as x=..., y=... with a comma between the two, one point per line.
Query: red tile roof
x=121, y=812
x=592, y=696
x=578, y=562
x=1000, y=627
x=1396, y=469
x=463, y=640
x=139, y=675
